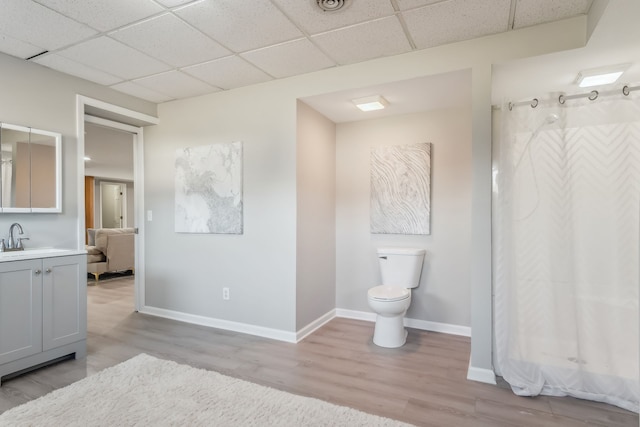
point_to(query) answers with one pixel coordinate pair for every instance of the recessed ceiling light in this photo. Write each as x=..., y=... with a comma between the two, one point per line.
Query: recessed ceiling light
x=87, y=158
x=371, y=103
x=600, y=76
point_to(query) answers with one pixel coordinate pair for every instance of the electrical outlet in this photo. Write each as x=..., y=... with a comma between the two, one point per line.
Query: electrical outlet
x=225, y=293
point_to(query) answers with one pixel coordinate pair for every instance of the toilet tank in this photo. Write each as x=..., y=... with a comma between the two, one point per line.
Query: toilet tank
x=401, y=266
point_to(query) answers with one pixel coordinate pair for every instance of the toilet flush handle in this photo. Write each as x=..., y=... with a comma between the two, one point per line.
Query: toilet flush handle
x=382, y=257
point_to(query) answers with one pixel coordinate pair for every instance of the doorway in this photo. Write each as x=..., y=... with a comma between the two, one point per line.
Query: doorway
x=113, y=205
x=117, y=118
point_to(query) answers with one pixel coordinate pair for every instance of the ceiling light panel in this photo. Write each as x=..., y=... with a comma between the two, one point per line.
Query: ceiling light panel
x=442, y=23
x=36, y=25
x=171, y=40
x=228, y=73
x=176, y=84
x=68, y=66
x=114, y=58
x=313, y=20
x=374, y=39
x=238, y=25
x=371, y=103
x=289, y=59
x=533, y=12
x=104, y=15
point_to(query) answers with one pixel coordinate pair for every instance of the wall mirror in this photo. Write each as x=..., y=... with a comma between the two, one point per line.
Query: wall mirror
x=30, y=172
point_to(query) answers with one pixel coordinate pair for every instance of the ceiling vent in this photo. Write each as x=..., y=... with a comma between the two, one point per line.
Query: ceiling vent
x=331, y=5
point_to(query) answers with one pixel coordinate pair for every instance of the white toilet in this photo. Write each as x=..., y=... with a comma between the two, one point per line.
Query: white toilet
x=400, y=269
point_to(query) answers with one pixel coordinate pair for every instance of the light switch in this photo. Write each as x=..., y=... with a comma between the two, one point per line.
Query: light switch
x=149, y=215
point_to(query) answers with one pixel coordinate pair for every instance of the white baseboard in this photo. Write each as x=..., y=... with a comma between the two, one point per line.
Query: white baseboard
x=315, y=325
x=228, y=325
x=424, y=325
x=481, y=375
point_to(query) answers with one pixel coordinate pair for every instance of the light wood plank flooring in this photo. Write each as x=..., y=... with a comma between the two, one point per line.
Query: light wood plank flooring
x=423, y=383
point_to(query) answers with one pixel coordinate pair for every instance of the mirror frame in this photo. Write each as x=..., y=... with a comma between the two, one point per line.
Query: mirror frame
x=58, y=171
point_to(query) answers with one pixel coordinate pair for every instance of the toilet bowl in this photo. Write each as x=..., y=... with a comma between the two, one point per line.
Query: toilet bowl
x=400, y=270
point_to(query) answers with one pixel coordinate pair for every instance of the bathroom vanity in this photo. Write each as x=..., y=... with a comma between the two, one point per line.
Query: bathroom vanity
x=43, y=307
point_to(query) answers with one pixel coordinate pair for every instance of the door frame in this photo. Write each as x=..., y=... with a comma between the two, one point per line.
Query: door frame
x=89, y=109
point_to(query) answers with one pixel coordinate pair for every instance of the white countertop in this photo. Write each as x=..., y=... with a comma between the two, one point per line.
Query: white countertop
x=36, y=253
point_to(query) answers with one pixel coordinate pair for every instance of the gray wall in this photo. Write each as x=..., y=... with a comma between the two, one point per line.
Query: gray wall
x=316, y=223
x=38, y=97
x=444, y=291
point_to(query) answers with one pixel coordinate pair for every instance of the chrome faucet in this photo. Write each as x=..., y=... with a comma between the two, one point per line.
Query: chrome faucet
x=13, y=245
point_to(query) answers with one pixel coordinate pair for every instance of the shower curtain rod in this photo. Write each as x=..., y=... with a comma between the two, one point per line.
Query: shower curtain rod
x=593, y=95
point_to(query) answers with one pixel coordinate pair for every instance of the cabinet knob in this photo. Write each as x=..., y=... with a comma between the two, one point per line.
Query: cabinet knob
x=48, y=270
x=38, y=271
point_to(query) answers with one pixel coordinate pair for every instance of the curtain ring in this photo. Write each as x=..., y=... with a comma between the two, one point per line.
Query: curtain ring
x=593, y=95
x=561, y=99
x=534, y=102
x=626, y=91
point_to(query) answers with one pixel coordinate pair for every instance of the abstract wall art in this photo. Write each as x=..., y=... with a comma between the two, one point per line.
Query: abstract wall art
x=400, y=189
x=208, y=189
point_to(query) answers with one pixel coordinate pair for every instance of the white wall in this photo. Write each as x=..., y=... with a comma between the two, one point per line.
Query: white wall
x=444, y=291
x=38, y=97
x=316, y=220
x=185, y=272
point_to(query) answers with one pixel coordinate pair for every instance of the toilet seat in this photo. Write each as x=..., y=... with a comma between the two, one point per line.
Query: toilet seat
x=389, y=293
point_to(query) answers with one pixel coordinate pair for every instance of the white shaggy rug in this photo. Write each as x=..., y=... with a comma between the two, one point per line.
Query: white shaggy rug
x=145, y=391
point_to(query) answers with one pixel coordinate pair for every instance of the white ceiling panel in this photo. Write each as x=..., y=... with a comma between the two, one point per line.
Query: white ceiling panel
x=240, y=25
x=314, y=20
x=35, y=24
x=373, y=39
x=104, y=15
x=412, y=4
x=141, y=92
x=176, y=84
x=114, y=58
x=228, y=73
x=174, y=3
x=68, y=66
x=533, y=12
x=18, y=48
x=290, y=58
x=456, y=20
x=171, y=40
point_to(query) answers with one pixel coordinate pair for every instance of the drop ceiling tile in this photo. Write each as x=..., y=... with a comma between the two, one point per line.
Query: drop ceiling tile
x=18, y=48
x=374, y=39
x=104, y=15
x=34, y=24
x=68, y=66
x=313, y=20
x=113, y=57
x=171, y=40
x=176, y=84
x=533, y=12
x=289, y=59
x=141, y=92
x=412, y=4
x=228, y=73
x=240, y=25
x=456, y=20
x=173, y=3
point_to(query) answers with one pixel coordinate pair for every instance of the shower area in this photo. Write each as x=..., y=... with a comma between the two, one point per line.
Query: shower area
x=566, y=242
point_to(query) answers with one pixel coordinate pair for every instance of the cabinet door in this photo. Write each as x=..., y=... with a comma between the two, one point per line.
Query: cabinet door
x=20, y=309
x=64, y=300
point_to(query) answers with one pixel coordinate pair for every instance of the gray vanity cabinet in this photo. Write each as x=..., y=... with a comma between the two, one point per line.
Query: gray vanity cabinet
x=43, y=311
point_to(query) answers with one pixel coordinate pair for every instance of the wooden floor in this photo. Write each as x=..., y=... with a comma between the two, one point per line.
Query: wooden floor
x=423, y=383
